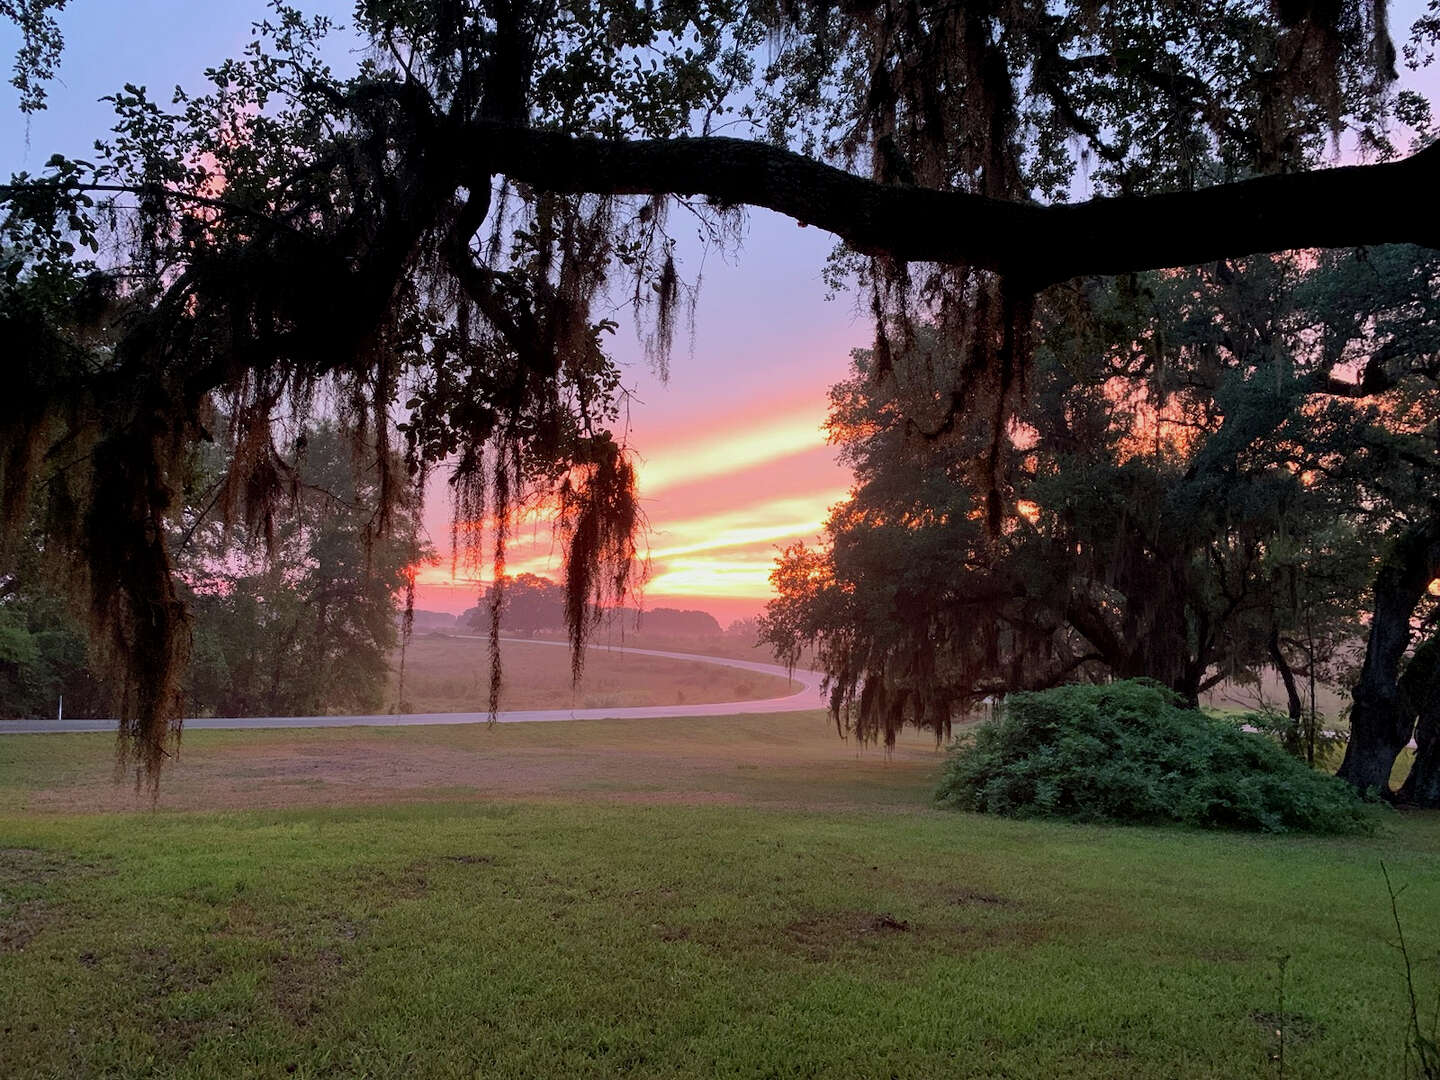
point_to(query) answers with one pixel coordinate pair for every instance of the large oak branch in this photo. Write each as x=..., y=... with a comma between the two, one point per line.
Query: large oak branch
x=1034, y=244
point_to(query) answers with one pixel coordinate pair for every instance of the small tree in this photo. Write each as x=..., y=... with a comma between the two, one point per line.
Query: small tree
x=305, y=621
x=528, y=605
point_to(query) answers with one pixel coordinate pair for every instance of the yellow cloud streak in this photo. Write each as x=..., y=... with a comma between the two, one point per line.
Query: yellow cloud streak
x=731, y=451
x=767, y=522
x=715, y=577
x=725, y=555
x=687, y=551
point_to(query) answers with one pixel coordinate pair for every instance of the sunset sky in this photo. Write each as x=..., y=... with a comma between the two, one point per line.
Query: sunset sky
x=732, y=459
x=734, y=464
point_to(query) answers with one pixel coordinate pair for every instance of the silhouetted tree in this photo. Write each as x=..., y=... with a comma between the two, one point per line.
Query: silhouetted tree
x=306, y=622
x=528, y=603
x=1183, y=495
x=684, y=623
x=433, y=234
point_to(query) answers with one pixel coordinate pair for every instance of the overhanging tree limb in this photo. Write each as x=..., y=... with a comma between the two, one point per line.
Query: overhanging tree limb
x=1032, y=244
x=1338, y=207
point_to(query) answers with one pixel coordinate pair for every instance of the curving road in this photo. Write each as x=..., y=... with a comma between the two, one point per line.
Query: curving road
x=808, y=697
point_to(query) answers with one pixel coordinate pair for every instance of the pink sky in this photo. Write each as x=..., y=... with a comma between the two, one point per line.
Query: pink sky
x=733, y=462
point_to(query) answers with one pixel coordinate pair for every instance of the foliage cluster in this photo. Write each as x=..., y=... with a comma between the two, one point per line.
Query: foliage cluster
x=1200, y=485
x=530, y=604
x=299, y=622
x=1130, y=752
x=44, y=656
x=305, y=624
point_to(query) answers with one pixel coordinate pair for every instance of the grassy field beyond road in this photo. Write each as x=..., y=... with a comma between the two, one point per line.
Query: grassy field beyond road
x=791, y=760
x=452, y=674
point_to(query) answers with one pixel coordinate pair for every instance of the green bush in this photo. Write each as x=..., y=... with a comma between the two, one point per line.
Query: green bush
x=1130, y=752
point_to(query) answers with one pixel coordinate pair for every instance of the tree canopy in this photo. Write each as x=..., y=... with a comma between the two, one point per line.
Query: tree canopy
x=432, y=247
x=1215, y=472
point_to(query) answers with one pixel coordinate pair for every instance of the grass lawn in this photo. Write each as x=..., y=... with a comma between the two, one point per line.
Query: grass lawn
x=780, y=912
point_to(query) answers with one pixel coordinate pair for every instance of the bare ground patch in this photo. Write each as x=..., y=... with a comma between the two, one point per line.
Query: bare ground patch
x=34, y=868
x=826, y=934
x=20, y=923
x=971, y=898
x=28, y=877
x=819, y=937
x=298, y=983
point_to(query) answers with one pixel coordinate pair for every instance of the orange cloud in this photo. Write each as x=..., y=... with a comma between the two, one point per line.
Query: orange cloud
x=720, y=502
x=744, y=445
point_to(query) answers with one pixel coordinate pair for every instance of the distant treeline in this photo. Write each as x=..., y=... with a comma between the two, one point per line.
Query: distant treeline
x=531, y=604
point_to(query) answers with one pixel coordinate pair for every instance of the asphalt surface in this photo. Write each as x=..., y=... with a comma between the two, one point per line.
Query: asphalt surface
x=808, y=697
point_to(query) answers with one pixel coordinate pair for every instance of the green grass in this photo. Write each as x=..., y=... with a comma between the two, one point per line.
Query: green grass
x=564, y=939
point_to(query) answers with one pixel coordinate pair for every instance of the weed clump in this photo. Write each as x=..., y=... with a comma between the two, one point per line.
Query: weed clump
x=1131, y=752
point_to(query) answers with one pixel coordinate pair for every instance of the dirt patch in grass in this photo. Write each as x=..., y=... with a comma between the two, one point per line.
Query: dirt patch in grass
x=180, y=1035
x=20, y=923
x=825, y=935
x=411, y=883
x=28, y=878
x=164, y=975
x=32, y=868
x=969, y=898
x=820, y=937
x=298, y=984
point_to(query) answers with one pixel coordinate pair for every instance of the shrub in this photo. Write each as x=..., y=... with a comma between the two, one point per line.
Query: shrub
x=1130, y=752
x=1312, y=742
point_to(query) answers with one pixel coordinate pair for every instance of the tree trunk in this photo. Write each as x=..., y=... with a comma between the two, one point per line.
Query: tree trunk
x=1420, y=691
x=1422, y=786
x=1295, y=707
x=1380, y=723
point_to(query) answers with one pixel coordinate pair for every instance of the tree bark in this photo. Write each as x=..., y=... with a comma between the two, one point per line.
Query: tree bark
x=1380, y=722
x=1294, y=706
x=1032, y=244
x=1422, y=786
x=1420, y=690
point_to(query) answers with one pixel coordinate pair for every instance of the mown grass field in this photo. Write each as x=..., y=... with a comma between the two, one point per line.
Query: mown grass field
x=446, y=673
x=782, y=907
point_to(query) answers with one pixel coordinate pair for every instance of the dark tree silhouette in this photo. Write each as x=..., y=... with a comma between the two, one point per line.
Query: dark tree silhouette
x=435, y=234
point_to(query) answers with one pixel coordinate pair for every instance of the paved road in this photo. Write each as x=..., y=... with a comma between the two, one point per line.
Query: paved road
x=808, y=697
